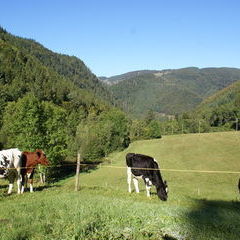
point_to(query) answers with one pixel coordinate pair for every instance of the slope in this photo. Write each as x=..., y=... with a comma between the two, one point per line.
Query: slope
x=222, y=110
x=229, y=95
x=70, y=67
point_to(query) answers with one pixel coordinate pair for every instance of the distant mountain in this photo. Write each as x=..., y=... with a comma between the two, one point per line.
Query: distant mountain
x=169, y=91
x=126, y=76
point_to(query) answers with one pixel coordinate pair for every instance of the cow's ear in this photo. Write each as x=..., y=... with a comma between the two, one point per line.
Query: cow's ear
x=165, y=183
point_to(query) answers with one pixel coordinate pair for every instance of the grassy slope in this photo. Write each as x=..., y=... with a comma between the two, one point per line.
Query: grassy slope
x=200, y=205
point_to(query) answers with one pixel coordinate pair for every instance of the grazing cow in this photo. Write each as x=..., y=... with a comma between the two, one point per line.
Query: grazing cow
x=145, y=167
x=10, y=165
x=30, y=160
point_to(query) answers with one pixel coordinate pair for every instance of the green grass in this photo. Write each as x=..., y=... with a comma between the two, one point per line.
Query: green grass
x=200, y=205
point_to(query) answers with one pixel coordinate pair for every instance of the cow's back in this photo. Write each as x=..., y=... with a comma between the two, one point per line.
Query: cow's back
x=141, y=165
x=9, y=158
x=12, y=156
x=140, y=160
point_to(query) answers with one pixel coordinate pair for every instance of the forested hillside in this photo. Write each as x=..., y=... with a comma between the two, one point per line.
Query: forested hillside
x=219, y=112
x=54, y=102
x=222, y=110
x=68, y=66
x=169, y=91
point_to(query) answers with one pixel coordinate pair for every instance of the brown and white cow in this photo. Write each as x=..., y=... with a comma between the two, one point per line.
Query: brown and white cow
x=29, y=162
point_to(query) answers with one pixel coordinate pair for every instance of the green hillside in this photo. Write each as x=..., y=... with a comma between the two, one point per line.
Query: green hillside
x=72, y=68
x=53, y=102
x=28, y=67
x=169, y=91
x=200, y=206
x=222, y=109
x=229, y=95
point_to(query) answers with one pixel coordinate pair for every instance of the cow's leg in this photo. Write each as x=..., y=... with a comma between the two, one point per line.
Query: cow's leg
x=135, y=182
x=31, y=185
x=148, y=184
x=31, y=182
x=22, y=186
x=44, y=177
x=129, y=179
x=10, y=188
x=41, y=177
x=11, y=178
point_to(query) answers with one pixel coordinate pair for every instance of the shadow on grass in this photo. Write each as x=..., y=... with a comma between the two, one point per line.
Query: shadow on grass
x=215, y=219
x=68, y=169
x=44, y=187
x=4, y=186
x=167, y=237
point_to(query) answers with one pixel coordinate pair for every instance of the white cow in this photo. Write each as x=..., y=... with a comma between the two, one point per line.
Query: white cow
x=11, y=159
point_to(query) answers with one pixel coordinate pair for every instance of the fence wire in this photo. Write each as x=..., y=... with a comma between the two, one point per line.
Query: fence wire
x=125, y=167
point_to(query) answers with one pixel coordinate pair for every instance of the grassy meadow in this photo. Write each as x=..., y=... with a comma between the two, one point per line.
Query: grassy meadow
x=200, y=205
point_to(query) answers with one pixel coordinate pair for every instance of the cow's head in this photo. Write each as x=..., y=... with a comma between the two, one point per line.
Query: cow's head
x=41, y=157
x=162, y=191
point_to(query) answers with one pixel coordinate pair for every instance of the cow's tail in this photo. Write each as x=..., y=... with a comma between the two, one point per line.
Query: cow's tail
x=23, y=161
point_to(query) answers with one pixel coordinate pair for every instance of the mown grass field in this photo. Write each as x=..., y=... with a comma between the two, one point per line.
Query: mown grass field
x=200, y=205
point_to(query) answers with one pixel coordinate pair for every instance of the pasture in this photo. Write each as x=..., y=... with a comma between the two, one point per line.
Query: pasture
x=200, y=205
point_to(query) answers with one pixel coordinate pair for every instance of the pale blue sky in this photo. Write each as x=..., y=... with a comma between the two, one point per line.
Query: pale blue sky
x=118, y=36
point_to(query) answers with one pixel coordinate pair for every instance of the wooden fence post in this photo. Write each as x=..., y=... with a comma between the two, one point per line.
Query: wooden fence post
x=77, y=172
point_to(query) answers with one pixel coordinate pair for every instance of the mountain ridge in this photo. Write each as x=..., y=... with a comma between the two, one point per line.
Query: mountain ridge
x=169, y=91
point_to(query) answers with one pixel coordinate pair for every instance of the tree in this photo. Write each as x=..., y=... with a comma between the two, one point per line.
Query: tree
x=103, y=134
x=153, y=129
x=55, y=139
x=23, y=124
x=137, y=129
x=149, y=116
x=30, y=124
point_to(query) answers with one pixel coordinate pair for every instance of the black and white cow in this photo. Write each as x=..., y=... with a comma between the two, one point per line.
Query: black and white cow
x=145, y=167
x=10, y=165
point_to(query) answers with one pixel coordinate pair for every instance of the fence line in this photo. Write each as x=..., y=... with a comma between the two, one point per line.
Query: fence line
x=174, y=170
x=150, y=169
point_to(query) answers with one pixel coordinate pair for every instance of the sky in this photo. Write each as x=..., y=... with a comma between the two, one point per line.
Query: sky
x=117, y=36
